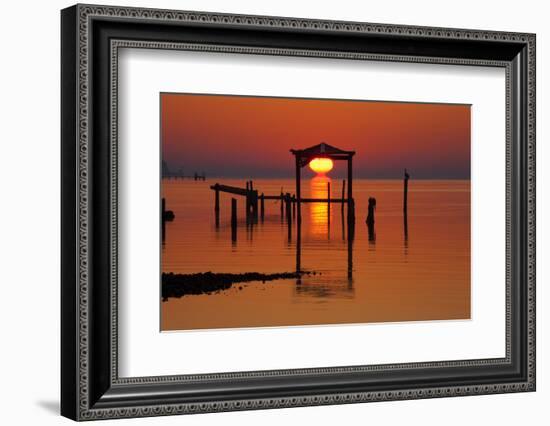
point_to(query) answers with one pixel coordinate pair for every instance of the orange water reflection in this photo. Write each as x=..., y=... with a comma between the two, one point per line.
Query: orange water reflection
x=421, y=275
x=319, y=212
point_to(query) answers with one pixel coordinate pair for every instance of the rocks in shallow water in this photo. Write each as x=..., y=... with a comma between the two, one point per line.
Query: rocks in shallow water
x=178, y=285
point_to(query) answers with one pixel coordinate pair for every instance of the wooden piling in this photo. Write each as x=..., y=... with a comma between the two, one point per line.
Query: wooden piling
x=370, y=214
x=254, y=203
x=288, y=207
x=233, y=219
x=351, y=237
x=217, y=205
x=343, y=193
x=328, y=202
x=217, y=199
x=262, y=207
x=405, y=191
x=351, y=211
x=282, y=204
x=350, y=180
x=298, y=191
x=350, y=201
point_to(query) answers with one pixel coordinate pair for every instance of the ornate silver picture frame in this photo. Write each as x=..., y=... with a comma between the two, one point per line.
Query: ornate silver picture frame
x=91, y=38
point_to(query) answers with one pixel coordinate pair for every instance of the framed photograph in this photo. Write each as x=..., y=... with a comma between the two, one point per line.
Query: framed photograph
x=263, y=212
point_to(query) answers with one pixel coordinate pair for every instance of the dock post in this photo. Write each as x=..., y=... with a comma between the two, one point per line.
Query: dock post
x=282, y=211
x=351, y=213
x=217, y=198
x=288, y=215
x=328, y=202
x=405, y=191
x=248, y=201
x=262, y=207
x=298, y=190
x=254, y=197
x=288, y=207
x=351, y=237
x=217, y=205
x=343, y=193
x=294, y=206
x=233, y=219
x=351, y=204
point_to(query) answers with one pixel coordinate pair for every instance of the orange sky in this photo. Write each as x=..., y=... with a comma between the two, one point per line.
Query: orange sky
x=250, y=137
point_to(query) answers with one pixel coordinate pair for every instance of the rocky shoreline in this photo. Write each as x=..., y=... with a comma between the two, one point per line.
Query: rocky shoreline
x=178, y=285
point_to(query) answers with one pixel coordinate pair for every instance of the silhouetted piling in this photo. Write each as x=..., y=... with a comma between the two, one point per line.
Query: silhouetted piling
x=370, y=219
x=288, y=207
x=288, y=210
x=217, y=205
x=328, y=202
x=233, y=219
x=351, y=211
x=405, y=191
x=343, y=194
x=255, y=205
x=282, y=205
x=406, y=229
x=371, y=209
x=262, y=206
x=351, y=238
x=217, y=198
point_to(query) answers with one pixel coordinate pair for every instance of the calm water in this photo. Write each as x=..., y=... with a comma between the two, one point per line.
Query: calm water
x=424, y=275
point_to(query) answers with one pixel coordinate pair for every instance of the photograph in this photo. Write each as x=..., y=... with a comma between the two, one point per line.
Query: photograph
x=264, y=208
x=279, y=211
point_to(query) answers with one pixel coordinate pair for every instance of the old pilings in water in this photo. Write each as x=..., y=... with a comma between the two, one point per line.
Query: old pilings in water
x=370, y=219
x=405, y=191
x=233, y=219
x=405, y=205
x=262, y=206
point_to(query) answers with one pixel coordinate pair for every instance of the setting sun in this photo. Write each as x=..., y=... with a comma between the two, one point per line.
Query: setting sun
x=321, y=165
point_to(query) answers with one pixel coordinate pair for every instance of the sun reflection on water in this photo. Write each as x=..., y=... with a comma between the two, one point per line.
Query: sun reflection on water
x=319, y=212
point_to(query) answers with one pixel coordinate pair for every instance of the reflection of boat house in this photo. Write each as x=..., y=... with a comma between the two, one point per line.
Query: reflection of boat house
x=303, y=157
